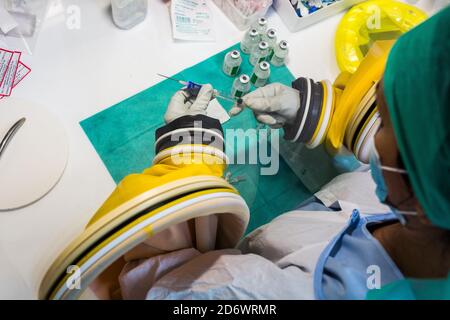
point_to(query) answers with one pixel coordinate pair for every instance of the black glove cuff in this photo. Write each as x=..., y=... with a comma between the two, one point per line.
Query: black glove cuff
x=311, y=98
x=198, y=131
x=290, y=130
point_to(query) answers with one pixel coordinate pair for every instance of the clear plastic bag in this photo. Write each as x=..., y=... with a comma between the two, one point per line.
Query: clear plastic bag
x=243, y=13
x=29, y=16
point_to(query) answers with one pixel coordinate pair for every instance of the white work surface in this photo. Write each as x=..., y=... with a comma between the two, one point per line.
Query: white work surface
x=77, y=73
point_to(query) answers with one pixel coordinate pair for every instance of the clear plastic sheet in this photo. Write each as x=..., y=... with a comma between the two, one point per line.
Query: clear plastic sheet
x=243, y=13
x=29, y=16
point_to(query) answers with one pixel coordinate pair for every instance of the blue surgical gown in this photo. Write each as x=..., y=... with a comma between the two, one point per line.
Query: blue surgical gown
x=354, y=261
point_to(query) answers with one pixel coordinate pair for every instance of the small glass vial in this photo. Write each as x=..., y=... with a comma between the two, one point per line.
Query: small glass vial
x=128, y=13
x=261, y=25
x=251, y=39
x=259, y=53
x=241, y=86
x=271, y=38
x=280, y=54
x=261, y=74
x=232, y=63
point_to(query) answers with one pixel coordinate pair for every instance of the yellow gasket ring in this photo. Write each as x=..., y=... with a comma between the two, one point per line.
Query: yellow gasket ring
x=363, y=129
x=81, y=260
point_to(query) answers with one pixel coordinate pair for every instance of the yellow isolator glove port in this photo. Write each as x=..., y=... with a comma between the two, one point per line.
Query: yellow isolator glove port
x=368, y=22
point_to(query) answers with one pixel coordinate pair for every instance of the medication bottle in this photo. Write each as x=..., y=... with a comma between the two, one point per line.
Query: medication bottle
x=232, y=63
x=241, y=86
x=251, y=39
x=271, y=38
x=280, y=54
x=261, y=74
x=260, y=25
x=128, y=13
x=259, y=53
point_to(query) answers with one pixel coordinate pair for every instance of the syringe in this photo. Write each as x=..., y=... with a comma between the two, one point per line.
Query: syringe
x=194, y=88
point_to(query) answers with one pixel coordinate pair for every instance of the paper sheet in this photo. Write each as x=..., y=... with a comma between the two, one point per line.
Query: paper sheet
x=191, y=20
x=12, y=71
x=5, y=60
x=22, y=72
x=8, y=82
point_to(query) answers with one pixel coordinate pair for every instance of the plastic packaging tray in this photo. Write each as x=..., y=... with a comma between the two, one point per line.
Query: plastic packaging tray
x=241, y=21
x=295, y=23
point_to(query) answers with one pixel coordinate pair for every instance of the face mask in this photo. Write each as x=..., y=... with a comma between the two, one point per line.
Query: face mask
x=376, y=170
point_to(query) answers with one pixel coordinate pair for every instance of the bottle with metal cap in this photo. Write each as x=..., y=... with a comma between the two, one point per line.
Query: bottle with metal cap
x=261, y=74
x=259, y=53
x=241, y=86
x=251, y=39
x=232, y=63
x=260, y=25
x=271, y=38
x=280, y=54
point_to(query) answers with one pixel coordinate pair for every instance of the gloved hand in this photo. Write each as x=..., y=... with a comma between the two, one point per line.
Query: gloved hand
x=183, y=104
x=274, y=104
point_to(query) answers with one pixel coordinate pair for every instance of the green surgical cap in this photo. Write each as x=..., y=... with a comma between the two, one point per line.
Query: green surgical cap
x=413, y=289
x=417, y=90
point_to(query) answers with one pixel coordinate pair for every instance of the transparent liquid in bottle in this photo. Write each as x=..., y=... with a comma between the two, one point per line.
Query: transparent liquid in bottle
x=251, y=39
x=259, y=53
x=260, y=25
x=280, y=54
x=241, y=86
x=128, y=13
x=271, y=38
x=232, y=63
x=261, y=74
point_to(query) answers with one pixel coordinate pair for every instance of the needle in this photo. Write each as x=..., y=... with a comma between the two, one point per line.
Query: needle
x=184, y=83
